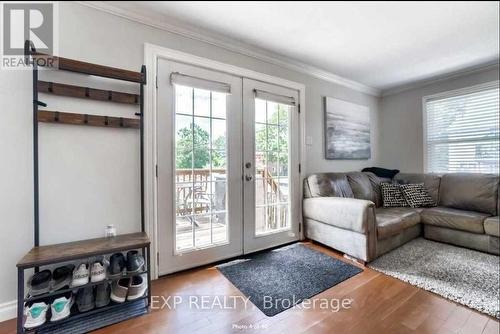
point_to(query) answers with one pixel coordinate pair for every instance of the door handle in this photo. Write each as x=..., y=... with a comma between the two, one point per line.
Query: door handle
x=248, y=177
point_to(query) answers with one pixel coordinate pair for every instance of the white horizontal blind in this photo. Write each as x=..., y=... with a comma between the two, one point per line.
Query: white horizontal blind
x=190, y=81
x=281, y=99
x=463, y=131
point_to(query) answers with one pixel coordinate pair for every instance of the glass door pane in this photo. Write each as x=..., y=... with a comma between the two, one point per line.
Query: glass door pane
x=272, y=122
x=271, y=186
x=200, y=168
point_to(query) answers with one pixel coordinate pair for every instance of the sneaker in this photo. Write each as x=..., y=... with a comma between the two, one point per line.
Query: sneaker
x=97, y=272
x=62, y=277
x=80, y=275
x=102, y=292
x=137, y=288
x=61, y=307
x=135, y=262
x=119, y=290
x=36, y=315
x=85, y=299
x=116, y=265
x=40, y=283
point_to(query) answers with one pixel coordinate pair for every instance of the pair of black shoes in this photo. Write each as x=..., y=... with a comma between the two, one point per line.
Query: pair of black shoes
x=91, y=297
x=117, y=264
x=47, y=281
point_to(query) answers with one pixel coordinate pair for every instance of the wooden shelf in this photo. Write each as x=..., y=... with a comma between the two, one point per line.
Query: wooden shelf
x=86, y=92
x=78, y=66
x=44, y=255
x=49, y=116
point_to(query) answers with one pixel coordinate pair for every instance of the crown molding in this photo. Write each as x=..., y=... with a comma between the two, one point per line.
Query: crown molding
x=443, y=77
x=234, y=46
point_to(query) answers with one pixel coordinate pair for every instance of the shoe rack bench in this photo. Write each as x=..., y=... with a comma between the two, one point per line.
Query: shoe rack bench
x=82, y=250
x=49, y=255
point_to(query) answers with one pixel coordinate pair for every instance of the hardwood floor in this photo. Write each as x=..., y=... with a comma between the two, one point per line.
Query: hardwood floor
x=381, y=304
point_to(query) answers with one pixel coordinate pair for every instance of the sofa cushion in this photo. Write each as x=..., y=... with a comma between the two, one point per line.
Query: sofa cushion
x=392, y=221
x=416, y=195
x=469, y=191
x=492, y=226
x=430, y=181
x=327, y=185
x=392, y=195
x=361, y=186
x=469, y=221
x=375, y=182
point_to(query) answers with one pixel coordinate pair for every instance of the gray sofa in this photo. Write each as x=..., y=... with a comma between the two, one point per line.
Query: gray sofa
x=344, y=211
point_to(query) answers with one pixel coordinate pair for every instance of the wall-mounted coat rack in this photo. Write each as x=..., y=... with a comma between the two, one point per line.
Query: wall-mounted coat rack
x=51, y=254
x=49, y=116
x=86, y=92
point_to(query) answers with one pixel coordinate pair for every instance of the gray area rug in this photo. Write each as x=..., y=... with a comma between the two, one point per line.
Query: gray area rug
x=465, y=276
x=292, y=273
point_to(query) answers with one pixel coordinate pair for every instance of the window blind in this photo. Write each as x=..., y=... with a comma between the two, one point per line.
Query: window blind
x=282, y=99
x=190, y=81
x=462, y=131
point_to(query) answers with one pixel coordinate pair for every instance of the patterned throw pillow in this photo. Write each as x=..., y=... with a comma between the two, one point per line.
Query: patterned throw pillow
x=417, y=195
x=392, y=195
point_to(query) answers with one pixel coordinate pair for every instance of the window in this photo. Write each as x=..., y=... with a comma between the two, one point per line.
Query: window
x=462, y=130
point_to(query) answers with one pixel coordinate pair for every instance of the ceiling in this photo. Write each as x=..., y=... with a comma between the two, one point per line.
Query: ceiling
x=379, y=44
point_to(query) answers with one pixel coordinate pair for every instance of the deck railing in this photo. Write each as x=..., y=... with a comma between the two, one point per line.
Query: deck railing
x=198, y=189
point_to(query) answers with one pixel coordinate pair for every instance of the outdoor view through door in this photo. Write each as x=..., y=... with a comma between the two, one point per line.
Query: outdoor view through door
x=271, y=166
x=200, y=168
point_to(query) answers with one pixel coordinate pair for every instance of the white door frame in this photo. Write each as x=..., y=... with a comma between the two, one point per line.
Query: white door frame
x=151, y=54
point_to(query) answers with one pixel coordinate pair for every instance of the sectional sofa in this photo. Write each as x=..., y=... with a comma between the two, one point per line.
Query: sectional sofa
x=345, y=211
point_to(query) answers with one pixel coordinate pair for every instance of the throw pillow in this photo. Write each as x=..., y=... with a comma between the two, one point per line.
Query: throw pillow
x=417, y=195
x=392, y=195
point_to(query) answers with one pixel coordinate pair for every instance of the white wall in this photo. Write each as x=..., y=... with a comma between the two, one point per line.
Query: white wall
x=401, y=131
x=89, y=176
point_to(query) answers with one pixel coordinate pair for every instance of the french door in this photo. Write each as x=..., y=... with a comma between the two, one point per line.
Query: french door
x=271, y=155
x=226, y=159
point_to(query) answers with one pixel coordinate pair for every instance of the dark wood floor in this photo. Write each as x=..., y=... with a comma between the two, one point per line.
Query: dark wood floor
x=381, y=304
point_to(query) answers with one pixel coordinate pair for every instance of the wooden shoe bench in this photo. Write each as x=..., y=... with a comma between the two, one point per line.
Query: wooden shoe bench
x=59, y=254
x=82, y=250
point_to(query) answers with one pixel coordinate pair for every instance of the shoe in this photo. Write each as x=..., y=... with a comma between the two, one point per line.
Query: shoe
x=137, y=288
x=102, y=292
x=119, y=290
x=116, y=265
x=97, y=272
x=135, y=262
x=36, y=315
x=80, y=275
x=40, y=283
x=61, y=307
x=85, y=299
x=62, y=277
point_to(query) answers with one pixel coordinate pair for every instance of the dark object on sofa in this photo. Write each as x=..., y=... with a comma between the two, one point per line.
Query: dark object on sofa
x=466, y=214
x=382, y=172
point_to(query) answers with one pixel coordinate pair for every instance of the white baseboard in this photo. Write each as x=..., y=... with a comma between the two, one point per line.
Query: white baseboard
x=8, y=310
